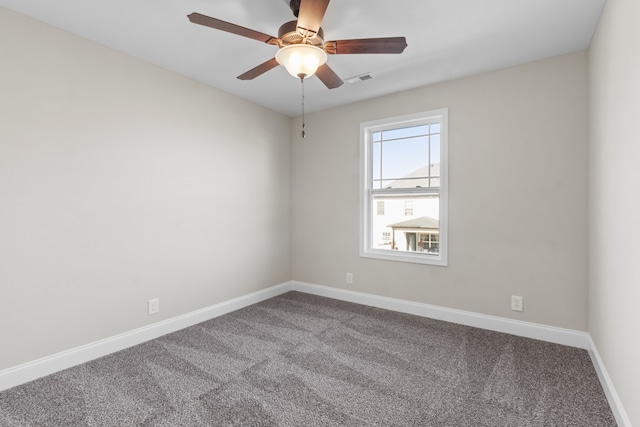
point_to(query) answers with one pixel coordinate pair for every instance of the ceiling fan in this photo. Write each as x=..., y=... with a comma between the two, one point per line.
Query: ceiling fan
x=303, y=50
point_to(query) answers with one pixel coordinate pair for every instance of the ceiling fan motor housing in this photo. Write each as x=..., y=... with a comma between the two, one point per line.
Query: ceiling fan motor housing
x=288, y=34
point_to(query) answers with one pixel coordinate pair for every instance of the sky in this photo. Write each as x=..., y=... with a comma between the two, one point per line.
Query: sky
x=404, y=150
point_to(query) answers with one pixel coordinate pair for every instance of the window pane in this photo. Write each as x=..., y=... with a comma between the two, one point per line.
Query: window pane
x=376, y=136
x=375, y=160
x=386, y=183
x=435, y=149
x=408, y=132
x=403, y=157
x=409, y=224
x=435, y=128
x=422, y=182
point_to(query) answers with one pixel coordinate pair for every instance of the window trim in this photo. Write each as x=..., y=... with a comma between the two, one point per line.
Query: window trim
x=366, y=193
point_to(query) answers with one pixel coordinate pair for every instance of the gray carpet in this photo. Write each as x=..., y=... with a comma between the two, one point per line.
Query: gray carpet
x=303, y=360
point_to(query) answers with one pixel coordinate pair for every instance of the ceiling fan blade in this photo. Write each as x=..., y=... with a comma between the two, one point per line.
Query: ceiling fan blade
x=260, y=69
x=329, y=77
x=208, y=21
x=378, y=45
x=310, y=16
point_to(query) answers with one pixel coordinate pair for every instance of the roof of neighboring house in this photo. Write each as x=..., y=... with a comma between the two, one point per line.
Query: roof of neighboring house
x=419, y=178
x=421, y=222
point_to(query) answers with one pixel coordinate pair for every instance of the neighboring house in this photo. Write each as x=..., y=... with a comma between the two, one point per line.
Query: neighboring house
x=416, y=235
x=409, y=222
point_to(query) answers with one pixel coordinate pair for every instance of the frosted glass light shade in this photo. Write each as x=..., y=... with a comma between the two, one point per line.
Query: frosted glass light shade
x=301, y=60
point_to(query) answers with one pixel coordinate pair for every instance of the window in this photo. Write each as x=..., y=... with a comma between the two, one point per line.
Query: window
x=403, y=203
x=429, y=243
x=408, y=207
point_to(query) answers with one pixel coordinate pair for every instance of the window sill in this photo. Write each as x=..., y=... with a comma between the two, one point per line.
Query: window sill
x=411, y=257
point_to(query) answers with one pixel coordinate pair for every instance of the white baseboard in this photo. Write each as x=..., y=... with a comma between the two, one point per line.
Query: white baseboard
x=552, y=334
x=609, y=390
x=48, y=365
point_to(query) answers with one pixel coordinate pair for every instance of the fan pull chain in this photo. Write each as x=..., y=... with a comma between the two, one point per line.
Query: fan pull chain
x=304, y=134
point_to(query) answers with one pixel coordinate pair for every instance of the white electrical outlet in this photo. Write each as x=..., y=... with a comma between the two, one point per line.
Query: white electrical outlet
x=349, y=278
x=153, y=306
x=516, y=303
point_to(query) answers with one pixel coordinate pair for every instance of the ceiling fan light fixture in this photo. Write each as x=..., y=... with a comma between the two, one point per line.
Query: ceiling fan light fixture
x=301, y=60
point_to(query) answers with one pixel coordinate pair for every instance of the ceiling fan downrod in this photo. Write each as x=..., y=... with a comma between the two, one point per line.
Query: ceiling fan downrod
x=304, y=134
x=295, y=7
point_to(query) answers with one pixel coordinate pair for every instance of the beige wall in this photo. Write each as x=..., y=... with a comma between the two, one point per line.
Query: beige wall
x=614, y=205
x=518, y=195
x=121, y=182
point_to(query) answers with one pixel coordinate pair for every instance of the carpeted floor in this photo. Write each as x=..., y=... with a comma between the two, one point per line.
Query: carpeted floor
x=303, y=360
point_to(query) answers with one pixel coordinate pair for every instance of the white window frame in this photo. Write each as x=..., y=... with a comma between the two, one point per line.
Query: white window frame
x=367, y=208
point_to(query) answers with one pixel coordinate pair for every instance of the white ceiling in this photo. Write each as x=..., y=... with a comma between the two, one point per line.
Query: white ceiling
x=446, y=39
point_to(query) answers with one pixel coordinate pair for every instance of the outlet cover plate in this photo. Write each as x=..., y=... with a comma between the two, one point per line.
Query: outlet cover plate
x=516, y=303
x=153, y=306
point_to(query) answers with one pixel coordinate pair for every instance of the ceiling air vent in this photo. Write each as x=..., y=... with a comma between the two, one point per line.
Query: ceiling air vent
x=360, y=78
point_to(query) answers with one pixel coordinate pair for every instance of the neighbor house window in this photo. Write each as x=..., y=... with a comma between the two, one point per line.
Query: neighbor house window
x=408, y=207
x=404, y=170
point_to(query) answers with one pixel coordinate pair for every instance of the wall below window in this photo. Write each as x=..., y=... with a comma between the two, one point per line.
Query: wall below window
x=517, y=195
x=121, y=182
x=614, y=204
